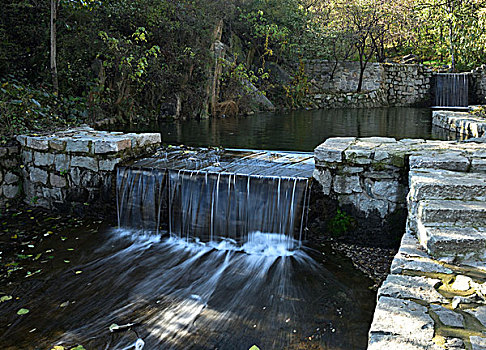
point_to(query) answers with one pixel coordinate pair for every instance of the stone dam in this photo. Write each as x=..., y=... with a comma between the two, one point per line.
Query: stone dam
x=435, y=295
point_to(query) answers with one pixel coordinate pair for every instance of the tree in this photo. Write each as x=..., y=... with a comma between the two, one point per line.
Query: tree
x=53, y=51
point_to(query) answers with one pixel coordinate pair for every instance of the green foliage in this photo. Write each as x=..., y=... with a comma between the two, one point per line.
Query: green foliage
x=340, y=223
x=24, y=108
x=296, y=91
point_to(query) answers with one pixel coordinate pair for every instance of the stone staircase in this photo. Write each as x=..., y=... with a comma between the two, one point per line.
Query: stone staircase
x=435, y=296
x=447, y=213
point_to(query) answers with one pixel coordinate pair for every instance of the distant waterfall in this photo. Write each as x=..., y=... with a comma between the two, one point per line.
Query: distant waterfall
x=210, y=205
x=451, y=90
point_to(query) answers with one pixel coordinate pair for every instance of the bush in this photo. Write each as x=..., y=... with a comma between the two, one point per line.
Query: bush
x=24, y=108
x=340, y=224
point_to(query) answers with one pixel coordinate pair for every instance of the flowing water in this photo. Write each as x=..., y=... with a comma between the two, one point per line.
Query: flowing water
x=451, y=90
x=205, y=259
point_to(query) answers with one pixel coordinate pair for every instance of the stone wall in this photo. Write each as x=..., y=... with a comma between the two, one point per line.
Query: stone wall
x=367, y=177
x=346, y=76
x=408, y=85
x=463, y=124
x=9, y=174
x=74, y=169
x=383, y=85
x=478, y=85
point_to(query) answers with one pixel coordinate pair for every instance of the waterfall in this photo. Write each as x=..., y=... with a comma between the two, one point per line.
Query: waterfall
x=451, y=90
x=211, y=205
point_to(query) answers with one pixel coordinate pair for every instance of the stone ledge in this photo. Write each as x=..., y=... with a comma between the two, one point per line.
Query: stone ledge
x=463, y=123
x=74, y=167
x=86, y=140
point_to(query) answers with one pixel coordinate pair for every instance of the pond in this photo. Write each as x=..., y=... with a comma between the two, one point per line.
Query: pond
x=296, y=130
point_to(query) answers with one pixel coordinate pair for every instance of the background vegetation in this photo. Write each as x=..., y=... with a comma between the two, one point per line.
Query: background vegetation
x=65, y=62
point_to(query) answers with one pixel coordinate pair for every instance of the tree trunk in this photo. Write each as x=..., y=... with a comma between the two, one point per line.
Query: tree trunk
x=360, y=81
x=213, y=69
x=55, y=82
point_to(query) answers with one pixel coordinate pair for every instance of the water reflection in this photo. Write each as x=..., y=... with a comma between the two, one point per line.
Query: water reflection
x=298, y=130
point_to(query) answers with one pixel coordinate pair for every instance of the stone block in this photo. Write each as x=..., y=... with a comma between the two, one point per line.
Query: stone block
x=478, y=343
x=22, y=139
x=439, y=184
x=37, y=143
x=111, y=145
x=57, y=181
x=456, y=242
x=52, y=194
x=27, y=156
x=324, y=177
x=43, y=159
x=478, y=165
x=108, y=164
x=478, y=313
x=9, y=162
x=10, y=191
x=11, y=178
x=452, y=212
x=38, y=175
x=446, y=161
x=378, y=140
x=145, y=139
x=75, y=175
x=78, y=145
x=84, y=162
x=358, y=155
x=332, y=149
x=347, y=184
x=402, y=319
x=57, y=144
x=448, y=317
x=412, y=287
x=388, y=189
x=62, y=162
x=381, y=156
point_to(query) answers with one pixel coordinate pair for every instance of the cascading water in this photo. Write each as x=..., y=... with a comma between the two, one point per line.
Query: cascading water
x=210, y=203
x=451, y=90
x=209, y=256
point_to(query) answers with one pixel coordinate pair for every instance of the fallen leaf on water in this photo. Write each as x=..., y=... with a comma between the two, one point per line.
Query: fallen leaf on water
x=66, y=303
x=23, y=311
x=79, y=347
x=254, y=347
x=58, y=347
x=5, y=298
x=78, y=272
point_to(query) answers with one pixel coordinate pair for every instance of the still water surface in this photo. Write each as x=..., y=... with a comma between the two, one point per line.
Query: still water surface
x=297, y=130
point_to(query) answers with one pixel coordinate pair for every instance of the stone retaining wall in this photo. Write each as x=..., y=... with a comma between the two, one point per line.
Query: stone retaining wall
x=367, y=177
x=463, y=124
x=73, y=169
x=383, y=85
x=9, y=174
x=478, y=84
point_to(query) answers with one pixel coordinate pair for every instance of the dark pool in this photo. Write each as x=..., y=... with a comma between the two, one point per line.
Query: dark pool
x=296, y=130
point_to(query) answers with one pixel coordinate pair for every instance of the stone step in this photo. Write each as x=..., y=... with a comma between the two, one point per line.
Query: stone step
x=462, y=243
x=427, y=184
x=452, y=212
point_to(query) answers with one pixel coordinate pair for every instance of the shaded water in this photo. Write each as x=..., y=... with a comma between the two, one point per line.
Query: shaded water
x=297, y=130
